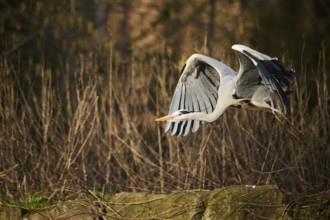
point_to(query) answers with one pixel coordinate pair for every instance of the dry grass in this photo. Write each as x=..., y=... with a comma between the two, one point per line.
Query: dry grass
x=92, y=124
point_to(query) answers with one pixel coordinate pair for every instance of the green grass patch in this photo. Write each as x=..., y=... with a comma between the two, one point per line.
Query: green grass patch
x=31, y=202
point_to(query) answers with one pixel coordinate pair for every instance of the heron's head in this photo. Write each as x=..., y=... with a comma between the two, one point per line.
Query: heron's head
x=179, y=115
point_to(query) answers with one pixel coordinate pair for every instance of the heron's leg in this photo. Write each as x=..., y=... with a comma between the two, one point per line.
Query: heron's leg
x=266, y=105
x=271, y=103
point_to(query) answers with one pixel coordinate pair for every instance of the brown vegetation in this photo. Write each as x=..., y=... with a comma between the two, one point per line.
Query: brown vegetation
x=87, y=120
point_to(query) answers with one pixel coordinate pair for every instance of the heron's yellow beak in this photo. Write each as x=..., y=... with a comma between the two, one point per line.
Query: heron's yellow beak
x=166, y=118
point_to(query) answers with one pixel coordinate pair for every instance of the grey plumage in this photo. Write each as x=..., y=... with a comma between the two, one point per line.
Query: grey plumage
x=198, y=92
x=208, y=87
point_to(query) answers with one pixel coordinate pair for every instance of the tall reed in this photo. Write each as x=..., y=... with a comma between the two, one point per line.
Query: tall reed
x=90, y=123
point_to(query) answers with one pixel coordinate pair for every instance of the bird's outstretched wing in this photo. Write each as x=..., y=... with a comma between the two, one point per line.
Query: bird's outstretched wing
x=259, y=69
x=196, y=91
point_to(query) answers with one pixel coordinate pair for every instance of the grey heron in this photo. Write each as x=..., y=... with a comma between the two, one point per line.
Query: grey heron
x=208, y=87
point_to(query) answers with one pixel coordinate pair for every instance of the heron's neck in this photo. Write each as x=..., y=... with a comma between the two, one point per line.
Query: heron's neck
x=201, y=116
x=218, y=111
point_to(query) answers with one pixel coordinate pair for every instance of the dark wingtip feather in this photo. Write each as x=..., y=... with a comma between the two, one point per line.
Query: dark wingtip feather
x=279, y=76
x=281, y=72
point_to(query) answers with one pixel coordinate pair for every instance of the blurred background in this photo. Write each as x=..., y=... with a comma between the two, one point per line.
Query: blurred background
x=62, y=29
x=82, y=82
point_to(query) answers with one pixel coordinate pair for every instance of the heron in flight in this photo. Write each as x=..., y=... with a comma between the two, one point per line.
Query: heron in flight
x=208, y=87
